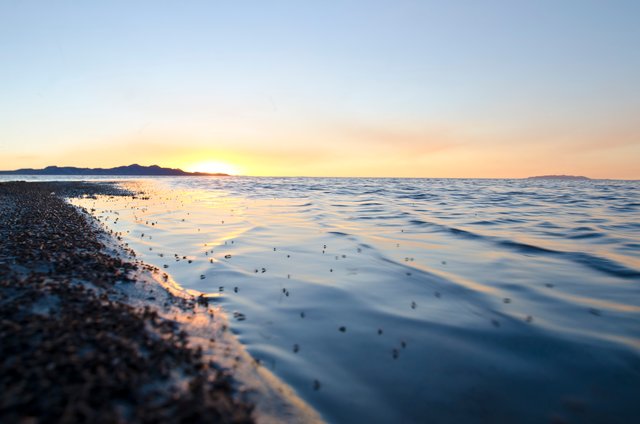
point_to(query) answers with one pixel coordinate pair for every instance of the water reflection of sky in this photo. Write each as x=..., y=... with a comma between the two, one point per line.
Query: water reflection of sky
x=396, y=300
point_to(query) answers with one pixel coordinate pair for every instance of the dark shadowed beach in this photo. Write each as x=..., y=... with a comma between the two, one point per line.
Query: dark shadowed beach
x=72, y=349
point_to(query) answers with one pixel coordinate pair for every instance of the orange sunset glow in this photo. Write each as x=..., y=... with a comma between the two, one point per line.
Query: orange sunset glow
x=320, y=212
x=213, y=168
x=393, y=92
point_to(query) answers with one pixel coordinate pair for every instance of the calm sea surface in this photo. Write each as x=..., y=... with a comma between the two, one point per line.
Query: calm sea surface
x=414, y=300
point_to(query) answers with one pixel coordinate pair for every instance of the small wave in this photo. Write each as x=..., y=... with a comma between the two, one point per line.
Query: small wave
x=381, y=217
x=368, y=203
x=547, y=224
x=605, y=198
x=338, y=233
x=579, y=233
x=464, y=233
x=498, y=221
x=624, y=208
x=525, y=248
x=594, y=262
x=418, y=196
x=456, y=231
x=585, y=236
x=510, y=220
x=484, y=223
x=604, y=265
x=582, y=229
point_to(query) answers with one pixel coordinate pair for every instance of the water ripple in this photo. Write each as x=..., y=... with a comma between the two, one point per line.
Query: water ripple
x=433, y=298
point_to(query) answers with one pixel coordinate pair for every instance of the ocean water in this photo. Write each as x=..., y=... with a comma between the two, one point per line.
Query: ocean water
x=413, y=300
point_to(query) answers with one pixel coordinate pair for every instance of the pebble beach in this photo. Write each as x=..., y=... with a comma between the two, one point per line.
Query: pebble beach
x=73, y=347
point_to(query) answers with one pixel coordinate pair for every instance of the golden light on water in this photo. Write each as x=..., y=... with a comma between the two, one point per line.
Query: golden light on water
x=213, y=167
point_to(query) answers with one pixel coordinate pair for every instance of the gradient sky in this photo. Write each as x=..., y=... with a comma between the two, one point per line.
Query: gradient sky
x=324, y=88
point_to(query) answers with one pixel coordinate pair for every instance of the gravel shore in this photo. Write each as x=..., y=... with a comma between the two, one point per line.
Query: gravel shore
x=69, y=350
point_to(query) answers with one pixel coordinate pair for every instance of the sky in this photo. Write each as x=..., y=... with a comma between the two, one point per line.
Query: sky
x=451, y=88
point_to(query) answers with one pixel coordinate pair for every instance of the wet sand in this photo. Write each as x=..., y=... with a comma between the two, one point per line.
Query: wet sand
x=72, y=348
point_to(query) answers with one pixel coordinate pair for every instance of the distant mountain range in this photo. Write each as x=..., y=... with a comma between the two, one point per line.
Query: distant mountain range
x=131, y=170
x=559, y=177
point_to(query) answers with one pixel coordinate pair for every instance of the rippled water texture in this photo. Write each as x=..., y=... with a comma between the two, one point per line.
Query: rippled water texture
x=384, y=300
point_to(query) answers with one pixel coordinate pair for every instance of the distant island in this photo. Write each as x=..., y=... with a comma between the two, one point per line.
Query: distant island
x=560, y=177
x=130, y=170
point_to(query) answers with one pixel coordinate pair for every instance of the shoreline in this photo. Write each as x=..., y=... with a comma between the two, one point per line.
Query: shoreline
x=87, y=334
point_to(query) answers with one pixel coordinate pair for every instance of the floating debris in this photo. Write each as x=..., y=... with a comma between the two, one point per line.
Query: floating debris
x=594, y=311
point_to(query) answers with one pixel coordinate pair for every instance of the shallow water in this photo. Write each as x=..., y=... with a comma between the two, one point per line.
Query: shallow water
x=402, y=300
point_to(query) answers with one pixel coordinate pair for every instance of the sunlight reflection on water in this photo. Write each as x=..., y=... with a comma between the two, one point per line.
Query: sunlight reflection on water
x=395, y=300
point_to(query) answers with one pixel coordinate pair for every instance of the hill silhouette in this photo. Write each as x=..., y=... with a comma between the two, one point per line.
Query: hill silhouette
x=130, y=170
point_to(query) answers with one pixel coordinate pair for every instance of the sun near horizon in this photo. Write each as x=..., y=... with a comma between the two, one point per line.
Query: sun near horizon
x=393, y=89
x=214, y=167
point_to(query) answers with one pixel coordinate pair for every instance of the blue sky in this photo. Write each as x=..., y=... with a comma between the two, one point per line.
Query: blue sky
x=406, y=88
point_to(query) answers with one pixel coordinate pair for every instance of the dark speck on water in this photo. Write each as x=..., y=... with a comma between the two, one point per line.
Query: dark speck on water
x=478, y=285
